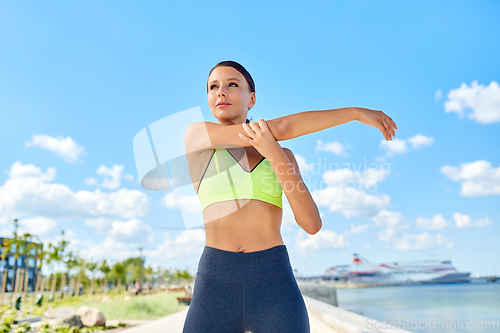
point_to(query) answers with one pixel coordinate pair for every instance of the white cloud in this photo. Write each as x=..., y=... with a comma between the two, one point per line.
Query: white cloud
x=31, y=172
x=438, y=95
x=128, y=177
x=185, y=244
x=477, y=178
x=335, y=147
x=74, y=245
x=187, y=203
x=345, y=191
x=36, y=226
x=322, y=240
x=420, y=242
x=112, y=177
x=436, y=222
x=419, y=140
x=131, y=231
x=464, y=221
x=100, y=224
x=390, y=223
x=391, y=233
x=322, y=166
x=395, y=146
x=350, y=202
x=303, y=166
x=109, y=249
x=120, y=230
x=387, y=218
x=362, y=180
x=119, y=245
x=66, y=148
x=28, y=192
x=288, y=222
x=399, y=146
x=69, y=235
x=483, y=101
x=91, y=181
x=357, y=229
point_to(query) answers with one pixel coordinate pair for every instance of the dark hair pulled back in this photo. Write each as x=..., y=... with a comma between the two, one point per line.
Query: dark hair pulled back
x=240, y=69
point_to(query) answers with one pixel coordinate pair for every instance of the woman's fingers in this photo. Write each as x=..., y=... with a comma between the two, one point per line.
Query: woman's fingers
x=389, y=128
x=382, y=129
x=252, y=126
x=249, y=129
x=385, y=130
x=243, y=137
x=380, y=120
x=263, y=125
x=393, y=124
x=256, y=130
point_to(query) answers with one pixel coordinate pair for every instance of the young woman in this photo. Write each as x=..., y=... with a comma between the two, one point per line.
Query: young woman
x=245, y=282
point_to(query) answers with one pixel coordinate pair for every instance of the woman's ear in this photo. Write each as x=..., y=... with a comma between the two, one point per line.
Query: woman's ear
x=253, y=100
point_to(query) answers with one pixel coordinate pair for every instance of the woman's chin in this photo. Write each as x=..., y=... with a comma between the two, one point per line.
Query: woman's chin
x=222, y=115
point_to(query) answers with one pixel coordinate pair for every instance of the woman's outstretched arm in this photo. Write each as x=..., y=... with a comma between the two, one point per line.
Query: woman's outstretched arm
x=207, y=135
x=303, y=123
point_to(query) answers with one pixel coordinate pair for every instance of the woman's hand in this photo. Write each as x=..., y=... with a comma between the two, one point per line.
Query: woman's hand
x=379, y=120
x=260, y=136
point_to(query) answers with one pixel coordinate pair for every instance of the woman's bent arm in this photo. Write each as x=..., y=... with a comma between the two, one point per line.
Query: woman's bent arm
x=207, y=135
x=304, y=209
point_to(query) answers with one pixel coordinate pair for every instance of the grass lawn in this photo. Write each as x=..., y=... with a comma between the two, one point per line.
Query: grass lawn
x=117, y=307
x=138, y=307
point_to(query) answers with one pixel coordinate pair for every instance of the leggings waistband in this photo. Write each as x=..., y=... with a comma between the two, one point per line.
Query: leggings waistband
x=244, y=267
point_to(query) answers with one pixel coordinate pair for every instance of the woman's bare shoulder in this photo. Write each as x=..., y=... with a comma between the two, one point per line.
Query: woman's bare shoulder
x=288, y=152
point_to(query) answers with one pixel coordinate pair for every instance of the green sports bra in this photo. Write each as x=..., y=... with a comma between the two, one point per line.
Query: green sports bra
x=225, y=179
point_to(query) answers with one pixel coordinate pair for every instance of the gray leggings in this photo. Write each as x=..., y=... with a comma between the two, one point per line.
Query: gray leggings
x=246, y=292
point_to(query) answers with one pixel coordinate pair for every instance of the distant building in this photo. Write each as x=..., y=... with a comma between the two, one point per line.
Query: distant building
x=28, y=261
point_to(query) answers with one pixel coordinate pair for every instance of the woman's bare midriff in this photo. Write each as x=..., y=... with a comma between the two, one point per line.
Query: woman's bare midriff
x=255, y=226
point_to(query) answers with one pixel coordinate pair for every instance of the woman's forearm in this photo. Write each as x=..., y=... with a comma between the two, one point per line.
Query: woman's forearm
x=304, y=209
x=302, y=123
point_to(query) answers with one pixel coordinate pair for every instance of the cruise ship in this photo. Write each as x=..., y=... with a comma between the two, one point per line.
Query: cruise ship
x=426, y=271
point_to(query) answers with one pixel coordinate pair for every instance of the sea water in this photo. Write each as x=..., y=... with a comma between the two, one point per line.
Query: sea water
x=450, y=307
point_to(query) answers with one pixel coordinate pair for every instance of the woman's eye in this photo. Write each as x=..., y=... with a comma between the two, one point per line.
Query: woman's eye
x=214, y=85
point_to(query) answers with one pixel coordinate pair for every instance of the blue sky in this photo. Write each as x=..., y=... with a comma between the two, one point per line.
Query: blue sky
x=79, y=80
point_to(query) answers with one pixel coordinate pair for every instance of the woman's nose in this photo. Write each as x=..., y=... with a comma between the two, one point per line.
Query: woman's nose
x=221, y=92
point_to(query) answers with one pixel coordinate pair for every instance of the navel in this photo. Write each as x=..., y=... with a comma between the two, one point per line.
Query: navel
x=240, y=250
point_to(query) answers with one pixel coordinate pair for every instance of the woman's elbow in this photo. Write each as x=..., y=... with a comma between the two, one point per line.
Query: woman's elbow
x=280, y=130
x=314, y=227
x=318, y=227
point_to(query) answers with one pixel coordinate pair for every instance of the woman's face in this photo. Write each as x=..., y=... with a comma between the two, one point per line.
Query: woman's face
x=226, y=84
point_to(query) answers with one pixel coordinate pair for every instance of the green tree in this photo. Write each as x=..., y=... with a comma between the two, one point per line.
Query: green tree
x=104, y=268
x=119, y=273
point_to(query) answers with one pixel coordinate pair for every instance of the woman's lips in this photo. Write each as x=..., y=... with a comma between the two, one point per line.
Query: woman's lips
x=223, y=105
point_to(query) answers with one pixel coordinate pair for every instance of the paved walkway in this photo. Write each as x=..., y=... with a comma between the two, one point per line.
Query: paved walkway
x=171, y=324
x=175, y=322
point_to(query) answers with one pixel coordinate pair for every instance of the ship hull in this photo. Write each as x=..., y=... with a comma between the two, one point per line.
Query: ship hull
x=430, y=271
